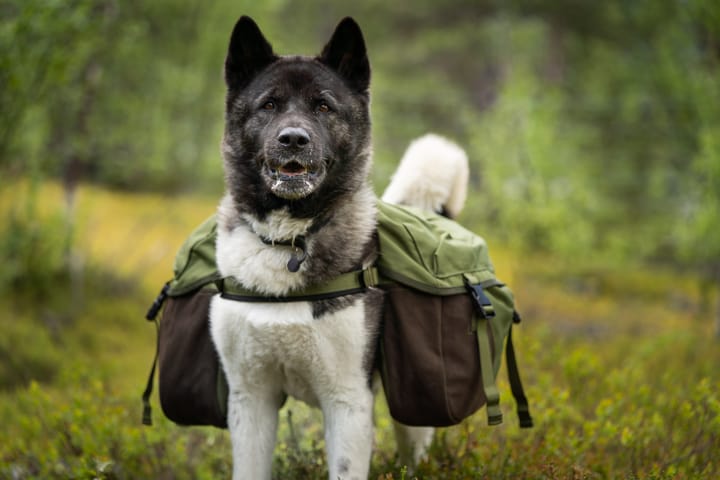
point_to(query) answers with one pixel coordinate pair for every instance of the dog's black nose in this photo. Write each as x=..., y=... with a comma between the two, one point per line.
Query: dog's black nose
x=293, y=137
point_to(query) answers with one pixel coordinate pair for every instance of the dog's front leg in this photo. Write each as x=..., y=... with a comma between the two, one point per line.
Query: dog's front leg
x=252, y=421
x=349, y=436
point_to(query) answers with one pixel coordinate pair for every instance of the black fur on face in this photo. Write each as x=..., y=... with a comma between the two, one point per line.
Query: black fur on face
x=297, y=131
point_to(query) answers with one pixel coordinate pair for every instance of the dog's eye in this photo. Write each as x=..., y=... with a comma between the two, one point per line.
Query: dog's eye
x=323, y=107
x=269, y=105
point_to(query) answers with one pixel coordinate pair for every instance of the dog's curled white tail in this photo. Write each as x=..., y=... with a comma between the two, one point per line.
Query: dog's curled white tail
x=432, y=175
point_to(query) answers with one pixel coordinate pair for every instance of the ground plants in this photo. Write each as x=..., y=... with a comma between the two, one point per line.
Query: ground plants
x=622, y=376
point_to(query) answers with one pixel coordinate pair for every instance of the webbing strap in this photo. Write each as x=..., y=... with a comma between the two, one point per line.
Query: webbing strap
x=345, y=284
x=492, y=394
x=147, y=408
x=521, y=402
x=222, y=392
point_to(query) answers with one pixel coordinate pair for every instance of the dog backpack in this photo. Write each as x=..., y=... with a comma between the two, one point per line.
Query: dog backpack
x=446, y=320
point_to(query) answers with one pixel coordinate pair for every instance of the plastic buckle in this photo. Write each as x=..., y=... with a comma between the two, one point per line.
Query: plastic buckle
x=483, y=305
x=158, y=303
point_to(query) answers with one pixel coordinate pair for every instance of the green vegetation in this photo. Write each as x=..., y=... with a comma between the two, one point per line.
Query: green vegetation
x=589, y=127
x=621, y=375
x=593, y=130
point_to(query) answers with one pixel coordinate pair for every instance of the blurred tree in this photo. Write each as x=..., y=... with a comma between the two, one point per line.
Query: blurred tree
x=591, y=126
x=698, y=232
x=50, y=73
x=125, y=93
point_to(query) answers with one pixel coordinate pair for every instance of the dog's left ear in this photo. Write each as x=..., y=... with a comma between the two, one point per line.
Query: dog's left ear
x=346, y=54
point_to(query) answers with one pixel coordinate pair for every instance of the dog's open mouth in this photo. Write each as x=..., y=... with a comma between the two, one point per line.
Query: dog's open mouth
x=293, y=179
x=292, y=169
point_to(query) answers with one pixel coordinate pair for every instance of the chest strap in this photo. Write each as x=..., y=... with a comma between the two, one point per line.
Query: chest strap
x=346, y=284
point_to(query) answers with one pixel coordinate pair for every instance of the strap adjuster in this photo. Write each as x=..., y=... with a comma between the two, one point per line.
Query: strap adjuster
x=157, y=303
x=483, y=305
x=369, y=277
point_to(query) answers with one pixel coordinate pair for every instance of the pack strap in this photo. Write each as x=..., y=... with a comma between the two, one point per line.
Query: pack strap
x=147, y=408
x=485, y=314
x=346, y=284
x=521, y=402
x=151, y=316
x=492, y=394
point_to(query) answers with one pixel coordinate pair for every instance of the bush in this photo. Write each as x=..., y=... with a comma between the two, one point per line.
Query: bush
x=648, y=412
x=38, y=359
x=89, y=432
x=34, y=249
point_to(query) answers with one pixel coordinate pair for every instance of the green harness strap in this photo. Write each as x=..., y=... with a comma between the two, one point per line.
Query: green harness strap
x=345, y=284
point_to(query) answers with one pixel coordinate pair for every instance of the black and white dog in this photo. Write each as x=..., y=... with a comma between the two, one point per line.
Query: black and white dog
x=297, y=155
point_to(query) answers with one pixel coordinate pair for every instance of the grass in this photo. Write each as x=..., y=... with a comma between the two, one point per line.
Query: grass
x=620, y=368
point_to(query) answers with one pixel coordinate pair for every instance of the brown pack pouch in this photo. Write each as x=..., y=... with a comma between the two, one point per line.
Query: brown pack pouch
x=192, y=384
x=193, y=390
x=430, y=360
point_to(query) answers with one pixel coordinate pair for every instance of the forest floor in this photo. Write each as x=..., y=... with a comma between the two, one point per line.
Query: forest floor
x=620, y=367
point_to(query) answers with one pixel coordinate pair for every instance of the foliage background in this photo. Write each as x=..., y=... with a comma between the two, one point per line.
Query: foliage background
x=593, y=131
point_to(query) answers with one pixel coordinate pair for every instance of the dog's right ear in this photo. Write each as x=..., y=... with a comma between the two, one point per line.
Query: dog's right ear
x=247, y=55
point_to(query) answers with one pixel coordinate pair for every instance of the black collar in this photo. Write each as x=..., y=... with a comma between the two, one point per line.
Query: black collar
x=298, y=243
x=299, y=254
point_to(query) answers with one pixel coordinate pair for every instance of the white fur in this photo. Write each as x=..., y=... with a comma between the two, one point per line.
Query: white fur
x=267, y=349
x=242, y=254
x=412, y=443
x=271, y=349
x=433, y=173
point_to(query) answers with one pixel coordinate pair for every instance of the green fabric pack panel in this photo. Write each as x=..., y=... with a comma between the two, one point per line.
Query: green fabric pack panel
x=419, y=249
x=195, y=264
x=429, y=252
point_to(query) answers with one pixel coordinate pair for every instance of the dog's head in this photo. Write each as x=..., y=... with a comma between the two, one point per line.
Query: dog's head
x=297, y=128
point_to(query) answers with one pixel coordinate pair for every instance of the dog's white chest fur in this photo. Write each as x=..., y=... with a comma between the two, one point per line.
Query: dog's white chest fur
x=283, y=346
x=241, y=252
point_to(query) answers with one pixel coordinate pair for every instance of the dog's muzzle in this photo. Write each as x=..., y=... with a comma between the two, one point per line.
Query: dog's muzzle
x=293, y=167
